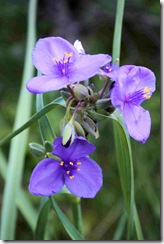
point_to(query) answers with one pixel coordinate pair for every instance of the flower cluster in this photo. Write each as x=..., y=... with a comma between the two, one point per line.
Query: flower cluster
x=63, y=66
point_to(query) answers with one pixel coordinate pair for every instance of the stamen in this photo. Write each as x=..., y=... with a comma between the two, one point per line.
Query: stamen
x=71, y=163
x=71, y=177
x=147, y=90
x=55, y=59
x=61, y=163
x=68, y=172
x=78, y=163
x=68, y=54
x=147, y=97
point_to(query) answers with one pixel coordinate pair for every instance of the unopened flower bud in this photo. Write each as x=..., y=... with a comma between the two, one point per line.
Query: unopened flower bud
x=37, y=149
x=68, y=133
x=79, y=129
x=90, y=126
x=80, y=91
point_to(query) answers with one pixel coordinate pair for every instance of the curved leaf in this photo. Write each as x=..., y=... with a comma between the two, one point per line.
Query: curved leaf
x=71, y=230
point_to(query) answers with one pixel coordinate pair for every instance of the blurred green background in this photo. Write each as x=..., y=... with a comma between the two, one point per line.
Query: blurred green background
x=92, y=22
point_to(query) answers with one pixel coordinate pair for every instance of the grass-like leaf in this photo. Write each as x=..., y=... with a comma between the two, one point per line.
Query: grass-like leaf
x=71, y=230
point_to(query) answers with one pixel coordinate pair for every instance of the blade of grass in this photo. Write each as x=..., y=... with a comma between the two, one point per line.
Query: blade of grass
x=16, y=156
x=22, y=201
x=71, y=230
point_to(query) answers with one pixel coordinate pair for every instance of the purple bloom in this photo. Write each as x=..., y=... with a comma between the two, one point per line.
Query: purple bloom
x=81, y=175
x=61, y=65
x=134, y=85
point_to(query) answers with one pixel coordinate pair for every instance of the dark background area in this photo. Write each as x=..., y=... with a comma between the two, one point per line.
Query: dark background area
x=91, y=22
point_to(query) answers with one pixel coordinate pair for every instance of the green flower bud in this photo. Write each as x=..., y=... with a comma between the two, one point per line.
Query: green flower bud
x=79, y=129
x=37, y=150
x=90, y=126
x=80, y=91
x=68, y=133
x=103, y=103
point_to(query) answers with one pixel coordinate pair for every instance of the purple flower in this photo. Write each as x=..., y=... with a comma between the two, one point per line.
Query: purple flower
x=81, y=175
x=61, y=65
x=134, y=85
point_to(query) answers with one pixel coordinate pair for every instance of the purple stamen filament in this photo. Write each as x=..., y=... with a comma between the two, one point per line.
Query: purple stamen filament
x=70, y=168
x=63, y=65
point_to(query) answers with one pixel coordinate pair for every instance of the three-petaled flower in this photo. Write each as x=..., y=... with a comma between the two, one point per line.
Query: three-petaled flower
x=60, y=63
x=80, y=174
x=133, y=85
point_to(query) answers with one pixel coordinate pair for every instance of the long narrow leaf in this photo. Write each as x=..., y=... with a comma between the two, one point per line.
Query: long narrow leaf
x=46, y=131
x=42, y=220
x=34, y=118
x=125, y=165
x=71, y=230
x=22, y=201
x=18, y=145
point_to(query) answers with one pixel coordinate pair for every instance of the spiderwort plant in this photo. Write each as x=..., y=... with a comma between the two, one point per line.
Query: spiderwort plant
x=133, y=85
x=75, y=169
x=61, y=65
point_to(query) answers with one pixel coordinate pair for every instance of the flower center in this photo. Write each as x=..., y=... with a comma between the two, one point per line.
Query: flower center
x=140, y=95
x=63, y=64
x=70, y=168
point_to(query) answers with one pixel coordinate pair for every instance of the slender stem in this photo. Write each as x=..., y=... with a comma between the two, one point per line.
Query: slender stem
x=77, y=214
x=71, y=92
x=104, y=88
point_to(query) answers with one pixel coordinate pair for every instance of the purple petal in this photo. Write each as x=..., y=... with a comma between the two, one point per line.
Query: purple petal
x=47, y=49
x=117, y=96
x=138, y=122
x=79, y=148
x=45, y=83
x=135, y=78
x=46, y=178
x=87, y=181
x=87, y=66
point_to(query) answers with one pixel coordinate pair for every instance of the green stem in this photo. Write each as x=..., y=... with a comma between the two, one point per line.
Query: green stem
x=16, y=156
x=77, y=214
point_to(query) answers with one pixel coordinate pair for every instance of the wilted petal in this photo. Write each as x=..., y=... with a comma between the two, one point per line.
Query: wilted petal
x=138, y=122
x=79, y=148
x=45, y=83
x=87, y=181
x=87, y=66
x=46, y=178
x=47, y=49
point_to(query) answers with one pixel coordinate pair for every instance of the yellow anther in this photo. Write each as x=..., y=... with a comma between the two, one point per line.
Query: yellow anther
x=71, y=163
x=67, y=172
x=78, y=163
x=147, y=90
x=68, y=54
x=147, y=97
x=55, y=59
x=65, y=61
x=71, y=177
x=61, y=163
